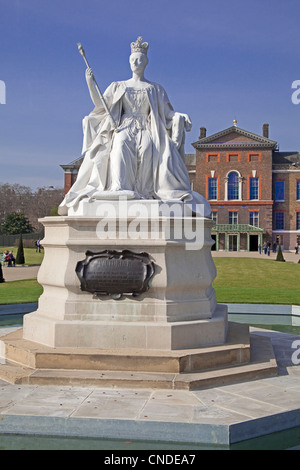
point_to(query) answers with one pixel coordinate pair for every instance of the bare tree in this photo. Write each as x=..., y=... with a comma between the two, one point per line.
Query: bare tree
x=34, y=204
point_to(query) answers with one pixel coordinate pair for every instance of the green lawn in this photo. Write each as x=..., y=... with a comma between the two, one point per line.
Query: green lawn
x=18, y=292
x=239, y=280
x=251, y=280
x=31, y=256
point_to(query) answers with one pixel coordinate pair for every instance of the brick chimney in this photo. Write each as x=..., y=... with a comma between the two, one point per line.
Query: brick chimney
x=266, y=131
x=202, y=132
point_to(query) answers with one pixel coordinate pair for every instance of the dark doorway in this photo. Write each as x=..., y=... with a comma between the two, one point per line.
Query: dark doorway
x=253, y=243
x=214, y=247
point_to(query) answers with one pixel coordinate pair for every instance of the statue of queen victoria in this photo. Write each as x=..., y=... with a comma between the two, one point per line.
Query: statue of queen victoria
x=137, y=149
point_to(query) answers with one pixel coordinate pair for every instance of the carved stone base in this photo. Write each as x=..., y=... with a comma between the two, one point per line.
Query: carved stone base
x=126, y=335
x=178, y=310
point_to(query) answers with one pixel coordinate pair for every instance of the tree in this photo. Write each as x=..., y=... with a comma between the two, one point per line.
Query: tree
x=35, y=204
x=14, y=198
x=16, y=223
x=279, y=255
x=54, y=211
x=20, y=259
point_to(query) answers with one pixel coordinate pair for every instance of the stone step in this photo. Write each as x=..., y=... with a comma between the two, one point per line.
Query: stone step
x=13, y=373
x=36, y=356
x=263, y=365
x=152, y=380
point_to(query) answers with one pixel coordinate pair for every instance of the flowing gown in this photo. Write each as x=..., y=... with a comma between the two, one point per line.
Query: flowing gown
x=138, y=159
x=131, y=163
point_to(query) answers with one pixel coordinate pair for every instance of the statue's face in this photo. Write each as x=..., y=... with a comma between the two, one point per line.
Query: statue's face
x=138, y=62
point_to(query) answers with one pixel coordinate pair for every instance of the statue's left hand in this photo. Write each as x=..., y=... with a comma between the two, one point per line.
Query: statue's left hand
x=180, y=123
x=187, y=122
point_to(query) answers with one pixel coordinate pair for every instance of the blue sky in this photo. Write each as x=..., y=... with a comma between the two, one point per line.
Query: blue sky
x=218, y=60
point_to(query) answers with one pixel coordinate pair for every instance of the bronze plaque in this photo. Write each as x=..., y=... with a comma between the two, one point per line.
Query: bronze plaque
x=115, y=273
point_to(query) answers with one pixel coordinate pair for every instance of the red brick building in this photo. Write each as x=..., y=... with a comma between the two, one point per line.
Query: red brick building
x=253, y=189
x=286, y=194
x=71, y=171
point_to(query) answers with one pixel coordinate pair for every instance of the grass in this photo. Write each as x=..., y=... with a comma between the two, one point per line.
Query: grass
x=239, y=280
x=251, y=280
x=31, y=256
x=18, y=292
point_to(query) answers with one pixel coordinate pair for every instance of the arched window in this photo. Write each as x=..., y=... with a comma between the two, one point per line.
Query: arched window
x=233, y=186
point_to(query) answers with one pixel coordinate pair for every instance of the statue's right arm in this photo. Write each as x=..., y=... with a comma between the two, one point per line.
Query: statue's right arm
x=93, y=93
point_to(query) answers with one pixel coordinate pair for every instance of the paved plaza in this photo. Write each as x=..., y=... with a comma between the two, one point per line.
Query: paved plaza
x=20, y=273
x=220, y=415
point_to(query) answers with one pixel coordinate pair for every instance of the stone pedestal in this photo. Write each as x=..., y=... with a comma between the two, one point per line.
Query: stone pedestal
x=178, y=311
x=173, y=335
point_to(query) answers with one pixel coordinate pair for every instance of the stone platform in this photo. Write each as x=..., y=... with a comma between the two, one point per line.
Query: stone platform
x=237, y=360
x=174, y=335
x=219, y=415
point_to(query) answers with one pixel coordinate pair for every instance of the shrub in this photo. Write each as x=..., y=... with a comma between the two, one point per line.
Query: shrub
x=279, y=255
x=20, y=259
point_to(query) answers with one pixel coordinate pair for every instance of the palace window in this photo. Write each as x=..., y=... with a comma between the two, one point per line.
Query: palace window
x=233, y=186
x=212, y=188
x=233, y=217
x=214, y=216
x=254, y=218
x=298, y=191
x=279, y=220
x=298, y=221
x=254, y=188
x=279, y=190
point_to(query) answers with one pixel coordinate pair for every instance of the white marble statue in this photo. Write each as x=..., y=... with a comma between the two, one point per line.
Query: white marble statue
x=142, y=156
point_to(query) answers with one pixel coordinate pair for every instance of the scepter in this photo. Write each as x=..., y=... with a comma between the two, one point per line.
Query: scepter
x=113, y=122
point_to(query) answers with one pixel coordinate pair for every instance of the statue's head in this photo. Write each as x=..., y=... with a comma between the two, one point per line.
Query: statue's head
x=138, y=59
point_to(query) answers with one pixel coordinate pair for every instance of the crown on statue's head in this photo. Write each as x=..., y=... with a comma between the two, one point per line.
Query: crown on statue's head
x=139, y=46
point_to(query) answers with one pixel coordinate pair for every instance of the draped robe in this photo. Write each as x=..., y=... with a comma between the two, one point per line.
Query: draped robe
x=169, y=172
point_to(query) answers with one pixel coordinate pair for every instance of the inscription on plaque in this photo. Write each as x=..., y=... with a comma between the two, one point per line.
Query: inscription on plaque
x=115, y=273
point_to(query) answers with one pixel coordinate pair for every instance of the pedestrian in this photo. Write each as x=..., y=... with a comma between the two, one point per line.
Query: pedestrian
x=6, y=258
x=296, y=249
x=38, y=246
x=11, y=259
